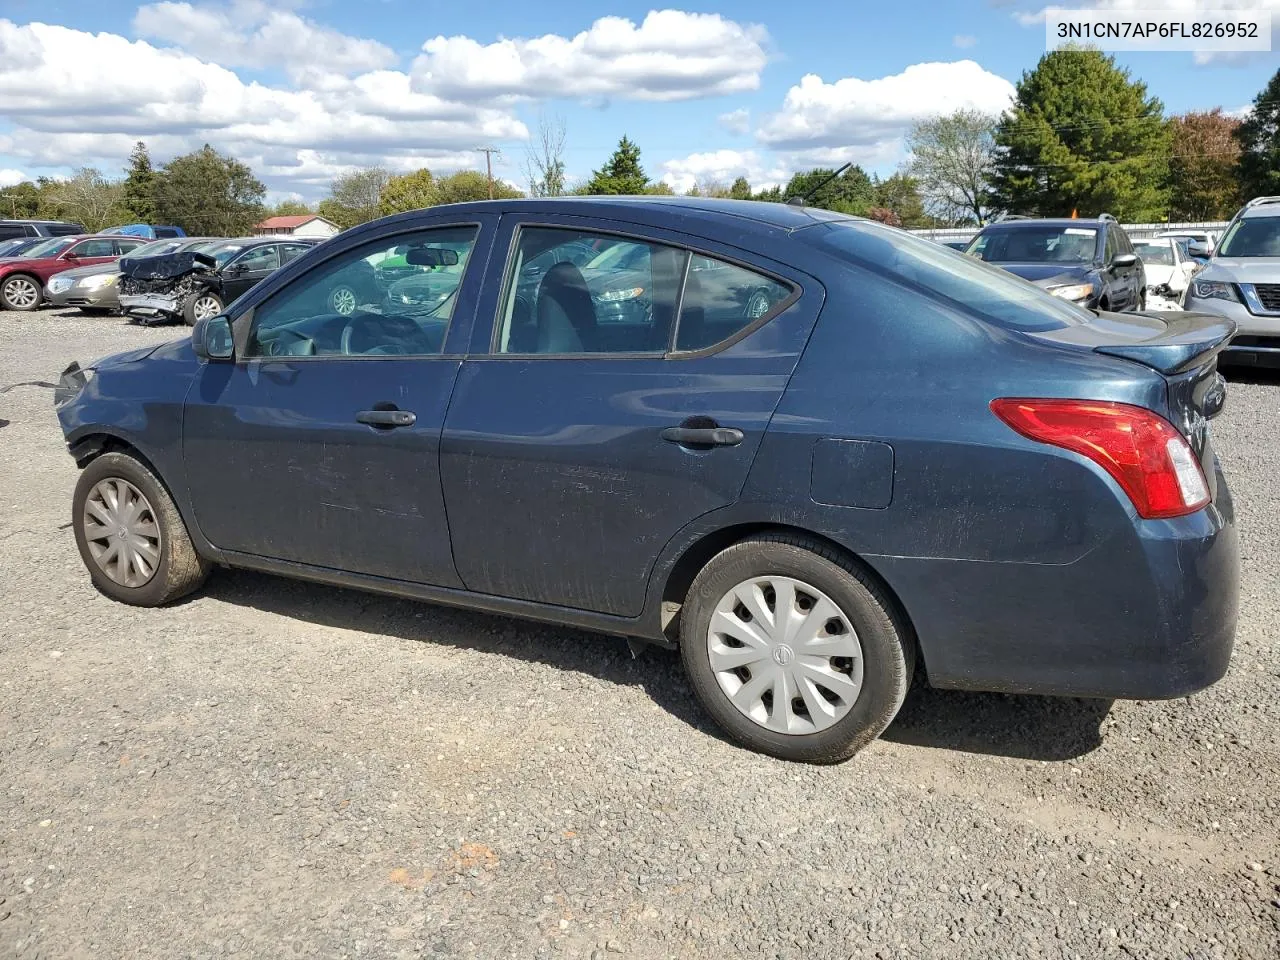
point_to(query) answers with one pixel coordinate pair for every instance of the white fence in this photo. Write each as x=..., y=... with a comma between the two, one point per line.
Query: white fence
x=1132, y=229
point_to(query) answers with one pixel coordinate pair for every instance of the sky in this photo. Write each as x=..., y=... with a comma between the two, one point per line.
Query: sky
x=305, y=90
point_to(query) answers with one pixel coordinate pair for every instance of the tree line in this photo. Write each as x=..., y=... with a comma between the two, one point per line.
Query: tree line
x=1082, y=136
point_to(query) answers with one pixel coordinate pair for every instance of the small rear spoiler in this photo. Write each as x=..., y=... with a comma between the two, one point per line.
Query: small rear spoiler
x=1189, y=340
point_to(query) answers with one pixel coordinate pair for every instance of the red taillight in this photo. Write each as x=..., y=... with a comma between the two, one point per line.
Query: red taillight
x=1147, y=456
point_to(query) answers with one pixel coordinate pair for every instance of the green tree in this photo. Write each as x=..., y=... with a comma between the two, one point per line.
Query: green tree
x=770, y=195
x=622, y=174
x=952, y=157
x=353, y=197
x=1202, y=167
x=1259, y=139
x=900, y=195
x=139, y=191
x=289, y=208
x=1082, y=136
x=851, y=192
x=659, y=189
x=89, y=198
x=740, y=189
x=21, y=201
x=409, y=191
x=468, y=185
x=209, y=194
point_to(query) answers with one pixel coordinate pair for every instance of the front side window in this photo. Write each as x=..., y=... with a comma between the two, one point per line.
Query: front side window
x=579, y=292
x=1113, y=246
x=346, y=308
x=94, y=248
x=1256, y=237
x=256, y=259
x=1038, y=243
x=722, y=299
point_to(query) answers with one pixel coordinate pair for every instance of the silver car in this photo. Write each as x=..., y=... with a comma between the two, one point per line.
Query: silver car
x=94, y=288
x=1242, y=282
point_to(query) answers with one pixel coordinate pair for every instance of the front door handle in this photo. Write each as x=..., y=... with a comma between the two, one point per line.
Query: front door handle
x=387, y=418
x=703, y=436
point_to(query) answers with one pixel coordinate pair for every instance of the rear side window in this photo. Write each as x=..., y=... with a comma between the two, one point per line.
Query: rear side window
x=935, y=271
x=10, y=231
x=95, y=248
x=578, y=292
x=65, y=229
x=721, y=300
x=128, y=246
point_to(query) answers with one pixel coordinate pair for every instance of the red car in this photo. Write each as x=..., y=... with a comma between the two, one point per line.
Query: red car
x=22, y=279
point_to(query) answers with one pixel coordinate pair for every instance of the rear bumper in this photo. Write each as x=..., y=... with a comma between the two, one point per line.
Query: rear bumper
x=1150, y=615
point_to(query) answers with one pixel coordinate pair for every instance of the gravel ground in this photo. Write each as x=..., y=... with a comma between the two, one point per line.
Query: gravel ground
x=273, y=769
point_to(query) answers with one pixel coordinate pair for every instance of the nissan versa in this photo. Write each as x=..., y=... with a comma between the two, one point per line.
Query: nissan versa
x=812, y=451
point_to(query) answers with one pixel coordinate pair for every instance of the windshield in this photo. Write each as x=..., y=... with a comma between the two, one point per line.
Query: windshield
x=1160, y=253
x=1259, y=237
x=50, y=248
x=222, y=252
x=1041, y=243
x=993, y=293
x=155, y=248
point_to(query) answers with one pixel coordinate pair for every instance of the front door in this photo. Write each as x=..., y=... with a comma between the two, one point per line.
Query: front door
x=591, y=426
x=320, y=443
x=89, y=252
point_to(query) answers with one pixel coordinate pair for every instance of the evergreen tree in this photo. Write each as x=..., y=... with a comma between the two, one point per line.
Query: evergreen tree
x=139, y=194
x=1259, y=139
x=1082, y=136
x=622, y=174
x=209, y=194
x=740, y=190
x=851, y=192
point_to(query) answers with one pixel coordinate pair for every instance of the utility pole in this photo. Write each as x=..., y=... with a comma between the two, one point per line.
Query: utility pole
x=488, y=164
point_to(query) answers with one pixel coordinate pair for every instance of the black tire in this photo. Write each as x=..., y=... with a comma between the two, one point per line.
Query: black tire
x=27, y=282
x=189, y=308
x=888, y=646
x=180, y=569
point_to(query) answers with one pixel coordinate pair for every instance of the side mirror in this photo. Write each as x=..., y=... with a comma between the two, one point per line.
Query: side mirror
x=1198, y=250
x=211, y=339
x=1124, y=260
x=70, y=255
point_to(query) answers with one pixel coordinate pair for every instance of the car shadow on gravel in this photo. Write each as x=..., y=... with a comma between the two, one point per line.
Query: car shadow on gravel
x=1006, y=725
x=1263, y=376
x=657, y=671
x=1031, y=728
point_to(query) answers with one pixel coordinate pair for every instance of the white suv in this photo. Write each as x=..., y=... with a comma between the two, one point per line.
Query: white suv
x=1242, y=281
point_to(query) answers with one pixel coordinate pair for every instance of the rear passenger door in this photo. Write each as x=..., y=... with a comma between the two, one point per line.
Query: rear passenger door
x=88, y=252
x=614, y=399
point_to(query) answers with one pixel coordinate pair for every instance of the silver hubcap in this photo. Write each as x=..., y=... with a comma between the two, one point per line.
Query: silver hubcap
x=343, y=301
x=206, y=307
x=21, y=292
x=785, y=655
x=122, y=532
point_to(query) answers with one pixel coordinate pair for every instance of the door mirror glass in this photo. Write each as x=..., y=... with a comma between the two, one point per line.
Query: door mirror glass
x=211, y=339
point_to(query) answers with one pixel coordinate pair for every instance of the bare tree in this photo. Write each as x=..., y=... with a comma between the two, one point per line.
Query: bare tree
x=952, y=158
x=89, y=198
x=353, y=197
x=544, y=158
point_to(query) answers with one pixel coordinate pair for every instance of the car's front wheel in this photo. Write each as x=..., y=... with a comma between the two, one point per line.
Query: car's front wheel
x=131, y=536
x=20, y=293
x=793, y=650
x=201, y=307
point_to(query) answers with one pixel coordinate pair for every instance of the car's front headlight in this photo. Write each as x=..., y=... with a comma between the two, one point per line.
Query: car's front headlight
x=99, y=281
x=1073, y=291
x=1214, y=290
x=617, y=296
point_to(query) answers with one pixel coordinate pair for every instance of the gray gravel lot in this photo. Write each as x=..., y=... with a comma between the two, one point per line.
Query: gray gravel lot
x=273, y=769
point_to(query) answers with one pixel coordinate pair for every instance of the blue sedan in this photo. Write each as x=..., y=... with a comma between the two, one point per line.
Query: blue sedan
x=812, y=452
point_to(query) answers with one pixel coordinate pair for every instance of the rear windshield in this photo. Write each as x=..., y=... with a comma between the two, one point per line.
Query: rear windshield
x=1257, y=237
x=992, y=293
x=1161, y=253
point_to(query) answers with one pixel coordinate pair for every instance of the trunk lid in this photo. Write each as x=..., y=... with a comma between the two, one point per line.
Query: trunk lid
x=1183, y=348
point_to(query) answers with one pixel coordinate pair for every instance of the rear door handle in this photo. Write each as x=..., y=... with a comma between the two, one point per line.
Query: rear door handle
x=387, y=418
x=703, y=436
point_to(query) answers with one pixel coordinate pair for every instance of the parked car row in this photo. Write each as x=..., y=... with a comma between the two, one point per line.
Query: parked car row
x=11, y=229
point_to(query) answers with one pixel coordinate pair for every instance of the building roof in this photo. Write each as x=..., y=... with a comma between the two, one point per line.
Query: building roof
x=290, y=223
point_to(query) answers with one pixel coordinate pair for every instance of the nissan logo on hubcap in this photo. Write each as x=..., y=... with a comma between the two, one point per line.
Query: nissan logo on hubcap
x=782, y=654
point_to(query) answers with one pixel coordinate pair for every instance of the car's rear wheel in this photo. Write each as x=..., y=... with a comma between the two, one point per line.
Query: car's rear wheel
x=201, y=307
x=794, y=650
x=20, y=293
x=131, y=536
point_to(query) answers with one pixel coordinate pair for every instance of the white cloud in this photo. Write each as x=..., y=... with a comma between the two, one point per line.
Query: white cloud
x=736, y=121
x=8, y=177
x=63, y=114
x=866, y=120
x=671, y=55
x=723, y=167
x=964, y=40
x=249, y=33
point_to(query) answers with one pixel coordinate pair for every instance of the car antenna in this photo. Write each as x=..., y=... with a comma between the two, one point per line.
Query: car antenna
x=803, y=201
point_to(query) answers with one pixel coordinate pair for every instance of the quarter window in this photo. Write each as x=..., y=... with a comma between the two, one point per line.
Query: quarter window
x=385, y=298
x=576, y=292
x=721, y=299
